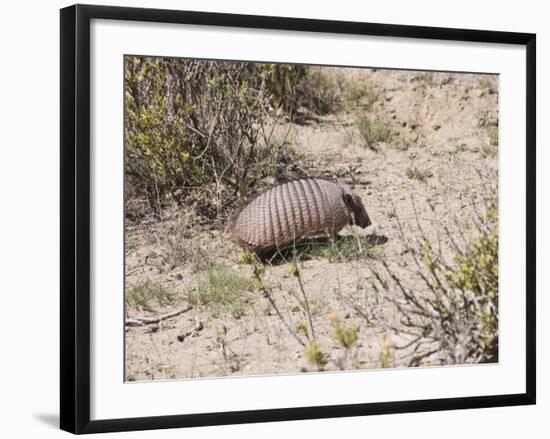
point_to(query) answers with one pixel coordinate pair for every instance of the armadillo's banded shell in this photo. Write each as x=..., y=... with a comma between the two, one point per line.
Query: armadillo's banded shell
x=291, y=211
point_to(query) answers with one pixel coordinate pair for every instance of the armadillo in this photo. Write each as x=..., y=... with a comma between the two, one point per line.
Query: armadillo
x=294, y=210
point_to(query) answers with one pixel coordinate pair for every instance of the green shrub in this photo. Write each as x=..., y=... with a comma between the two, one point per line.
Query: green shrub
x=490, y=123
x=317, y=89
x=282, y=83
x=476, y=274
x=462, y=147
x=193, y=133
x=419, y=174
x=222, y=291
x=492, y=132
x=454, y=318
x=148, y=295
x=316, y=356
x=345, y=335
x=321, y=90
x=374, y=131
x=360, y=93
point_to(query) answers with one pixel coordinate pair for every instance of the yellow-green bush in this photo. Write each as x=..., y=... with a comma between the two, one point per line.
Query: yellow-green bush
x=449, y=306
x=193, y=133
x=465, y=296
x=476, y=273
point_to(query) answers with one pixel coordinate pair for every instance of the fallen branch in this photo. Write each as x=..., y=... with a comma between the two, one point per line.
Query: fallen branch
x=141, y=321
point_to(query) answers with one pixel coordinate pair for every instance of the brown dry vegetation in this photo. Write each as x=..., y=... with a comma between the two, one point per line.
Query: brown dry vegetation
x=420, y=148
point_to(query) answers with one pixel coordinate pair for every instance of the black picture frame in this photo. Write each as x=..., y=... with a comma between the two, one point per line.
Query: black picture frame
x=75, y=217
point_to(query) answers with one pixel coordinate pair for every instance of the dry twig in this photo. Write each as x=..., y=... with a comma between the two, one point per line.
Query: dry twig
x=141, y=321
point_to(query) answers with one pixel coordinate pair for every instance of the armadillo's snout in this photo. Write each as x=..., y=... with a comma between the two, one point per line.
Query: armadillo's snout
x=365, y=222
x=363, y=219
x=360, y=216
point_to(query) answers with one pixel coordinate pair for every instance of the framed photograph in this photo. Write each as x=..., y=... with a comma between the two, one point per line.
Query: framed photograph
x=268, y=219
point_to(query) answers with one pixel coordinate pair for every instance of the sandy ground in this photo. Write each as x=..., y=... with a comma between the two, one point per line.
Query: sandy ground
x=439, y=124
